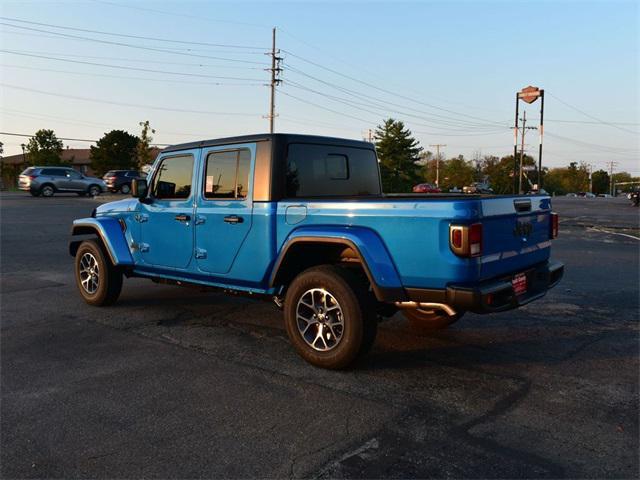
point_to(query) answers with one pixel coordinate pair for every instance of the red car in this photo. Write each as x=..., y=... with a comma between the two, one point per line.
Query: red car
x=426, y=188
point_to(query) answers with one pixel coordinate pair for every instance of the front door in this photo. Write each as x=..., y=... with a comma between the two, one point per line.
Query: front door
x=75, y=181
x=224, y=210
x=166, y=218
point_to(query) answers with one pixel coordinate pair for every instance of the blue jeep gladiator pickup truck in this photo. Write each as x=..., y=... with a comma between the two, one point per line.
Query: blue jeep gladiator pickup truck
x=302, y=220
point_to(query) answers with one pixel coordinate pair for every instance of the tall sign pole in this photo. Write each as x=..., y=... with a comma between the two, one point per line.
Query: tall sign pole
x=529, y=95
x=541, y=132
x=438, y=145
x=515, y=146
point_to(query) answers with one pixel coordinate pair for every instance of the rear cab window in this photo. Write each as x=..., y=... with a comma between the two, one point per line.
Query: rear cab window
x=331, y=171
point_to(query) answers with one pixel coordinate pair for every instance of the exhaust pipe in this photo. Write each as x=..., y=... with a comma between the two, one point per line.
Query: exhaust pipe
x=438, y=306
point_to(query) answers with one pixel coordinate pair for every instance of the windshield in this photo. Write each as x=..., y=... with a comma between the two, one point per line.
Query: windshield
x=28, y=171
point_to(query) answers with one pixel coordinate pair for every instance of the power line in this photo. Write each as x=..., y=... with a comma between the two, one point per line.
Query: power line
x=354, y=104
x=124, y=67
x=185, y=15
x=71, y=139
x=385, y=90
x=122, y=44
x=140, y=37
x=592, y=117
x=444, y=119
x=137, y=60
x=122, y=104
x=145, y=79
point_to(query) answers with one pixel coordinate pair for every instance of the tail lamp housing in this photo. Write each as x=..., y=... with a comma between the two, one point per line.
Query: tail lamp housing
x=554, y=225
x=466, y=240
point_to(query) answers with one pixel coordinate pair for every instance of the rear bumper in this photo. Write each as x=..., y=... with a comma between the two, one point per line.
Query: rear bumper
x=494, y=295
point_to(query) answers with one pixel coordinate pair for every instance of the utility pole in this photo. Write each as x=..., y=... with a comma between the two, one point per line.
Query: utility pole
x=275, y=80
x=590, y=178
x=524, y=129
x=611, y=164
x=438, y=145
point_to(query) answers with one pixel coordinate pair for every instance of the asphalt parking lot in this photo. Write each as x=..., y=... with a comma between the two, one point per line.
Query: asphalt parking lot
x=173, y=382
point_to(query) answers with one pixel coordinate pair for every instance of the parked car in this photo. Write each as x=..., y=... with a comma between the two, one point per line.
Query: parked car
x=604, y=195
x=478, y=187
x=47, y=181
x=426, y=188
x=541, y=191
x=120, y=180
x=571, y=195
x=455, y=190
x=302, y=220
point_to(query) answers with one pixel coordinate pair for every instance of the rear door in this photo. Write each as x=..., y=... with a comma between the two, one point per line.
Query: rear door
x=57, y=176
x=224, y=205
x=516, y=234
x=167, y=221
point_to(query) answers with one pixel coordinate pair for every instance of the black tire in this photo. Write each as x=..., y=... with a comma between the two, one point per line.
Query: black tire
x=358, y=329
x=427, y=321
x=47, y=190
x=94, y=190
x=107, y=277
x=34, y=193
x=125, y=189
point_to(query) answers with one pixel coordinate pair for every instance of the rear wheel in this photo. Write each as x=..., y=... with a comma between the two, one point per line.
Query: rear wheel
x=47, y=190
x=423, y=321
x=34, y=193
x=98, y=281
x=94, y=190
x=329, y=316
x=125, y=188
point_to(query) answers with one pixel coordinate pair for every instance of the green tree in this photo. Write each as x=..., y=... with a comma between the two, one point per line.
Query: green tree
x=143, y=151
x=44, y=148
x=456, y=172
x=116, y=150
x=399, y=155
x=600, y=182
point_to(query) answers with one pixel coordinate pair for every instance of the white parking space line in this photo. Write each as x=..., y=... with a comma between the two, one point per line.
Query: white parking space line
x=613, y=233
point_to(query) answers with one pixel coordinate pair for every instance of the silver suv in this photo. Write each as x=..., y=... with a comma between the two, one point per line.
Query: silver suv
x=47, y=181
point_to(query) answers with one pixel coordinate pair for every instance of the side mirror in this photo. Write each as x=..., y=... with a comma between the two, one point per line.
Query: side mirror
x=138, y=188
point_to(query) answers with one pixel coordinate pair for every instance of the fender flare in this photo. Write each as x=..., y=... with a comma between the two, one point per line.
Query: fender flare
x=108, y=229
x=368, y=246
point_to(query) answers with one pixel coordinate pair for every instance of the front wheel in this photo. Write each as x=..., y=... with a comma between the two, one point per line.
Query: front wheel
x=98, y=281
x=423, y=321
x=329, y=316
x=125, y=188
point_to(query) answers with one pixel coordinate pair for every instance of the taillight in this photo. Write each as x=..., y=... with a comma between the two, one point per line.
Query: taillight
x=466, y=240
x=32, y=177
x=554, y=225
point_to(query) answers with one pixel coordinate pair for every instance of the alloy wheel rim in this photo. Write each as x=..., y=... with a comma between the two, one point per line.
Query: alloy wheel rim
x=125, y=189
x=94, y=192
x=47, y=191
x=89, y=273
x=319, y=319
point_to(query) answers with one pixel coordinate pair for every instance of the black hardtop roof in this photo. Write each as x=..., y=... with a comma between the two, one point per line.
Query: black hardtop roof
x=285, y=137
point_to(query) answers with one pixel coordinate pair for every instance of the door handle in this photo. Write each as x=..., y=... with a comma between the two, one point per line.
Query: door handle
x=233, y=219
x=183, y=218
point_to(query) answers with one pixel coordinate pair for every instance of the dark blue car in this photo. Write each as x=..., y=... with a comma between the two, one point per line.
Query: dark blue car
x=302, y=220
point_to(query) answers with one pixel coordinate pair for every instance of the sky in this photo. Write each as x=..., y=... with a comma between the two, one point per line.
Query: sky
x=449, y=70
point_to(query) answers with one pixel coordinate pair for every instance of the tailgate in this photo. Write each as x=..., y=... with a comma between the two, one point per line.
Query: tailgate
x=515, y=234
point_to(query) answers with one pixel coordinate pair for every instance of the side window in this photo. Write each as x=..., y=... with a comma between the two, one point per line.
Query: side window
x=227, y=174
x=73, y=174
x=173, y=178
x=54, y=172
